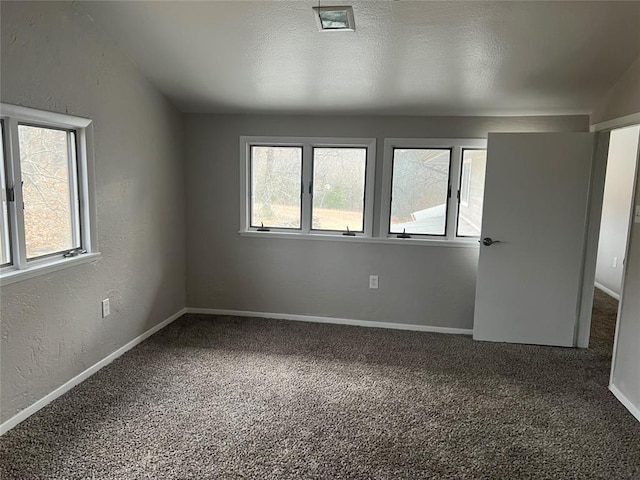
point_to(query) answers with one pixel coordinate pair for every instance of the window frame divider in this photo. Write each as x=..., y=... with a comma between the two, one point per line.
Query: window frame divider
x=307, y=194
x=454, y=186
x=74, y=191
x=9, y=197
x=16, y=214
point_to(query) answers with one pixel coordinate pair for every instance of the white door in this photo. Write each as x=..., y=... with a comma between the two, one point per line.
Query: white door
x=535, y=210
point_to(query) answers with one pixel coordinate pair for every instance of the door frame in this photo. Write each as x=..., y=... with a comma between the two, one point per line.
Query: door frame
x=594, y=216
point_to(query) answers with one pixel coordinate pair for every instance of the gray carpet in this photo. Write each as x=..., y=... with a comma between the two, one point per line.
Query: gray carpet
x=603, y=322
x=222, y=397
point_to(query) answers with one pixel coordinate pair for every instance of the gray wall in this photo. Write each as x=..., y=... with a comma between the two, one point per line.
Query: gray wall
x=421, y=285
x=616, y=207
x=622, y=99
x=55, y=59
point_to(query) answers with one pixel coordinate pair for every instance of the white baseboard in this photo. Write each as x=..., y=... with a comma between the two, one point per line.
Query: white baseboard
x=334, y=320
x=635, y=411
x=608, y=291
x=30, y=410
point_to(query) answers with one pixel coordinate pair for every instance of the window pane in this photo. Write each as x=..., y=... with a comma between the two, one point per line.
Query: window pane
x=474, y=163
x=49, y=207
x=276, y=178
x=5, y=249
x=338, y=188
x=419, y=191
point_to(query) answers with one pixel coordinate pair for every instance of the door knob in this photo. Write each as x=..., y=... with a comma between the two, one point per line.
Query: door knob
x=488, y=241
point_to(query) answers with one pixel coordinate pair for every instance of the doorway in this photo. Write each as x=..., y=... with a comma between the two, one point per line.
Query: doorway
x=613, y=238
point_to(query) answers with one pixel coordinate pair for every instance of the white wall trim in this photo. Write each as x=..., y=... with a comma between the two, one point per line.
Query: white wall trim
x=635, y=411
x=333, y=320
x=608, y=291
x=30, y=410
x=634, y=201
x=620, y=122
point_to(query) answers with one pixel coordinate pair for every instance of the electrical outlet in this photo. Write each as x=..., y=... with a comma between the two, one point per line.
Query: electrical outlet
x=615, y=262
x=373, y=281
x=106, y=308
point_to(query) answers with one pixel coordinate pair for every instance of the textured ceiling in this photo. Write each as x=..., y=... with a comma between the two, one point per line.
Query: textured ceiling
x=405, y=57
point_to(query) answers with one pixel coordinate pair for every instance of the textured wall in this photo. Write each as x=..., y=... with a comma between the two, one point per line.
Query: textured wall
x=622, y=99
x=618, y=190
x=423, y=285
x=55, y=59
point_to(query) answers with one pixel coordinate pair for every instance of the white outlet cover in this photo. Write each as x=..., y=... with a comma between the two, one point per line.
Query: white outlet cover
x=373, y=281
x=106, y=308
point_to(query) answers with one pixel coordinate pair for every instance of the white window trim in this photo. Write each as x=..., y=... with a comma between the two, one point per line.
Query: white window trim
x=456, y=146
x=307, y=144
x=21, y=269
x=13, y=276
x=459, y=242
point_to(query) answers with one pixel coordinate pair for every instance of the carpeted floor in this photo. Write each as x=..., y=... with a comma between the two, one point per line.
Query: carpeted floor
x=231, y=398
x=603, y=322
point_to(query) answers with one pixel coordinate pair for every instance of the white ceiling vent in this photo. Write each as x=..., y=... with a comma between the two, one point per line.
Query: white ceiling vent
x=335, y=19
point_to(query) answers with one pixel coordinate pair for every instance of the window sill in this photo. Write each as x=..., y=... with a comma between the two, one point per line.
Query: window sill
x=425, y=242
x=14, y=276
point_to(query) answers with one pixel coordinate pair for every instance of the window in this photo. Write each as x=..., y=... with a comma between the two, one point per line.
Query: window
x=419, y=190
x=49, y=190
x=431, y=190
x=423, y=178
x=339, y=176
x=474, y=163
x=276, y=176
x=45, y=218
x=307, y=185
